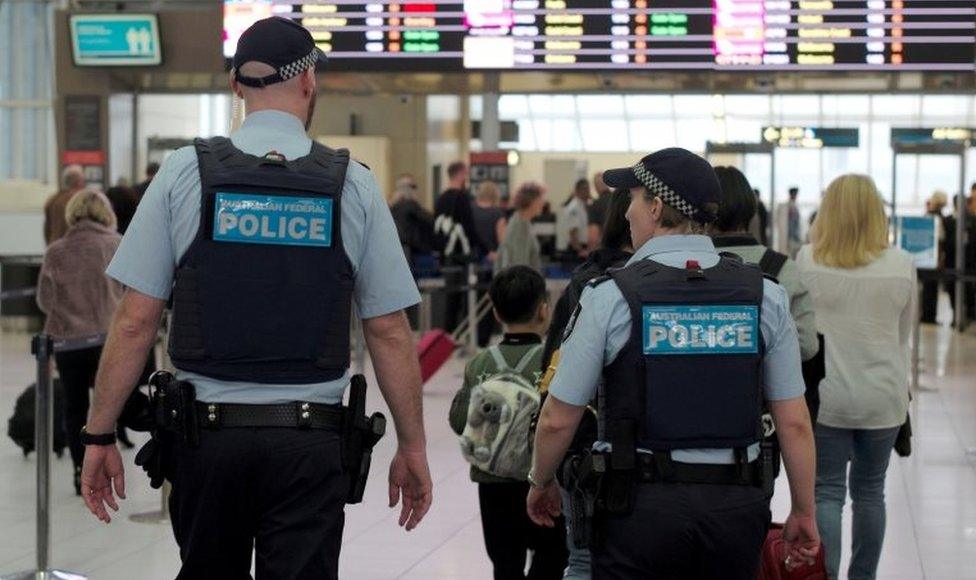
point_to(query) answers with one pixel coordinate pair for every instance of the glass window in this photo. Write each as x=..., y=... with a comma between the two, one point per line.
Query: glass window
x=604, y=135
x=513, y=106
x=552, y=105
x=748, y=106
x=565, y=135
x=436, y=107
x=895, y=106
x=650, y=135
x=600, y=106
x=648, y=105
x=693, y=133
x=845, y=106
x=692, y=106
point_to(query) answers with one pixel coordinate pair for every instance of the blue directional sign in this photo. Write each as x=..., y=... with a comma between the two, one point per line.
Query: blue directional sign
x=115, y=40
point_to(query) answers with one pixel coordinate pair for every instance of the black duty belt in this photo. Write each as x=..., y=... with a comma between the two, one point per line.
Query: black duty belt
x=651, y=471
x=289, y=415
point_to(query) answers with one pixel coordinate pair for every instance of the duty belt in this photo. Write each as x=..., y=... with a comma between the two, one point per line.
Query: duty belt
x=651, y=471
x=289, y=415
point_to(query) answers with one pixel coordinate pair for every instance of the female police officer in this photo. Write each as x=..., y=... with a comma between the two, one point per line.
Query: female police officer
x=264, y=241
x=688, y=344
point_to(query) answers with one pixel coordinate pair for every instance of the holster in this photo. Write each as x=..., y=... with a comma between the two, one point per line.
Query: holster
x=171, y=406
x=583, y=473
x=359, y=435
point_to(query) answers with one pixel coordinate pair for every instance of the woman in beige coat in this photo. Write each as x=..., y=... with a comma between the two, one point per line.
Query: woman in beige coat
x=79, y=300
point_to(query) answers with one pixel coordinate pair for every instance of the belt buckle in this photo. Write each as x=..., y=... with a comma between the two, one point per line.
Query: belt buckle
x=304, y=415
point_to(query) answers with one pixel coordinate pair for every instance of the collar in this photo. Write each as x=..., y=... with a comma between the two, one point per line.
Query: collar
x=517, y=338
x=274, y=120
x=738, y=239
x=672, y=243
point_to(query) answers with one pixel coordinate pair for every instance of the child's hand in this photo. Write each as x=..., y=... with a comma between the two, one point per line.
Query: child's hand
x=544, y=504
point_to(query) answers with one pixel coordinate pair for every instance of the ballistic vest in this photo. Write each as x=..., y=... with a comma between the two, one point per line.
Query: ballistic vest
x=690, y=376
x=263, y=294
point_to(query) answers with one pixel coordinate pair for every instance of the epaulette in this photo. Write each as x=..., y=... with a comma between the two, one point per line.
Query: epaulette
x=593, y=283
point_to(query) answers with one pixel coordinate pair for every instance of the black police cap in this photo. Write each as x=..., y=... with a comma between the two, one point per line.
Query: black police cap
x=280, y=43
x=680, y=178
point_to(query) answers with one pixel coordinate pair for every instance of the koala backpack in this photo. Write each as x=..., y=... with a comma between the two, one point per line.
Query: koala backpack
x=496, y=436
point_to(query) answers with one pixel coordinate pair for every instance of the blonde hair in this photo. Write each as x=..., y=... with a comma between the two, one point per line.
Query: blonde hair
x=851, y=228
x=488, y=191
x=89, y=204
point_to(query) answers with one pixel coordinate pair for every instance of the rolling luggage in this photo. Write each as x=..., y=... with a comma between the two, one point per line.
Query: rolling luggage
x=772, y=565
x=434, y=348
x=20, y=427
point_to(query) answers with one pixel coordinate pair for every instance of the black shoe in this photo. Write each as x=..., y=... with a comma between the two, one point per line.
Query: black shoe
x=123, y=437
x=78, y=480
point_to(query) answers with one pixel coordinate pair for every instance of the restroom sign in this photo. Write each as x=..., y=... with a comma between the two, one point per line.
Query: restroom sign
x=115, y=40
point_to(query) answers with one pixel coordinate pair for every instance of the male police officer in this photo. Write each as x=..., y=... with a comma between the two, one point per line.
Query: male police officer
x=265, y=240
x=688, y=343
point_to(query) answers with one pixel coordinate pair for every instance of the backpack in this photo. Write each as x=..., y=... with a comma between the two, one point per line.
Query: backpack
x=496, y=436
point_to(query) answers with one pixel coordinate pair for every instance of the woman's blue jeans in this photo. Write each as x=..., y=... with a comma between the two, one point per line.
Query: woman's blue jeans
x=578, y=567
x=868, y=452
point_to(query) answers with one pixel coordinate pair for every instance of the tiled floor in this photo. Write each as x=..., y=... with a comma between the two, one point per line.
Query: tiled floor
x=931, y=496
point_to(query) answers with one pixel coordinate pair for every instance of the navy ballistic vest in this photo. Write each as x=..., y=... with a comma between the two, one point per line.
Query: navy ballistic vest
x=690, y=377
x=263, y=294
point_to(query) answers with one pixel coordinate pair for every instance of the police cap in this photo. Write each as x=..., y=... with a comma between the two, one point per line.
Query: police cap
x=680, y=178
x=280, y=43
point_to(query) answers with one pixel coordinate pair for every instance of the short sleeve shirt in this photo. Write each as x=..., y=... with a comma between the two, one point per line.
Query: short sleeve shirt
x=168, y=218
x=603, y=323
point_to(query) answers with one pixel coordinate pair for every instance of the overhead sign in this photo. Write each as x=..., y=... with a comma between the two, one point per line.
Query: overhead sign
x=932, y=135
x=811, y=137
x=919, y=236
x=115, y=40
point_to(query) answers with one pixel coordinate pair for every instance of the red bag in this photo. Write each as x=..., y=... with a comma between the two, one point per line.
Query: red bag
x=772, y=565
x=433, y=350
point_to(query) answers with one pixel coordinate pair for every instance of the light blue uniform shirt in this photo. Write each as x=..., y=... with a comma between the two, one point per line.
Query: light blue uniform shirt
x=603, y=324
x=169, y=216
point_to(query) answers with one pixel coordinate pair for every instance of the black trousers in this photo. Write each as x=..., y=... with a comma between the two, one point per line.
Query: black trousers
x=930, y=300
x=510, y=534
x=685, y=532
x=278, y=492
x=77, y=370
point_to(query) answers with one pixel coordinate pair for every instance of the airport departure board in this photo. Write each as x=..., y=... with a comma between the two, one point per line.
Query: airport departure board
x=724, y=35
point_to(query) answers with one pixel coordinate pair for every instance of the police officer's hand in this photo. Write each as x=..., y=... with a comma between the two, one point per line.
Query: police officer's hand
x=544, y=504
x=802, y=538
x=101, y=471
x=410, y=478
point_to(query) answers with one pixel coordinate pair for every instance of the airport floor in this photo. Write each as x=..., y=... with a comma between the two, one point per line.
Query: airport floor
x=931, y=495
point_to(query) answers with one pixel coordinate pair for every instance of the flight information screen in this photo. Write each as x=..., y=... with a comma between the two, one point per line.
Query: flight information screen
x=756, y=35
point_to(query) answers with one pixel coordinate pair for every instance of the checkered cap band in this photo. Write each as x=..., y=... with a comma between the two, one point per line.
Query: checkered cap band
x=660, y=189
x=299, y=66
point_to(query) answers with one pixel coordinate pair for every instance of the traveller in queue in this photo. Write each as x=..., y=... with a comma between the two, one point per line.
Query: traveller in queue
x=679, y=482
x=265, y=241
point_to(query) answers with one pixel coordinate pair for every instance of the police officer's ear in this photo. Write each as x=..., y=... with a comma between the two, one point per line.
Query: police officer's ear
x=235, y=87
x=498, y=319
x=308, y=83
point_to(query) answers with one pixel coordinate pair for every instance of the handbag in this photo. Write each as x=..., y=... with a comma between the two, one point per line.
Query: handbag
x=903, y=441
x=772, y=565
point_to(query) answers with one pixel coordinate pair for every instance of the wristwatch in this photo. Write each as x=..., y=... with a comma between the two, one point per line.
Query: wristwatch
x=537, y=484
x=100, y=439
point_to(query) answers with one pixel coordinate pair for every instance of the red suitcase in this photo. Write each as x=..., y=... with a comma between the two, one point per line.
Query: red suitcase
x=772, y=566
x=434, y=348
